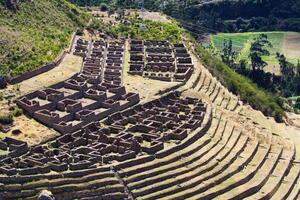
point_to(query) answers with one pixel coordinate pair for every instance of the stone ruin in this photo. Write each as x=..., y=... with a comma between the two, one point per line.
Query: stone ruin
x=76, y=106
x=114, y=63
x=120, y=137
x=160, y=60
x=114, y=147
x=91, y=95
x=81, y=47
x=137, y=60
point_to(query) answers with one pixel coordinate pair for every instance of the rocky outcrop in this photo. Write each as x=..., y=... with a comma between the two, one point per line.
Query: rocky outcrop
x=46, y=195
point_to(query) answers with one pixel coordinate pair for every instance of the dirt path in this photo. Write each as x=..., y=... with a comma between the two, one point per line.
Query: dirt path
x=69, y=66
x=156, y=16
x=32, y=131
x=291, y=45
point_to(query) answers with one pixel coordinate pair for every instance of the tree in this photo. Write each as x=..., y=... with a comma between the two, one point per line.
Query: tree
x=243, y=67
x=3, y=82
x=228, y=55
x=297, y=103
x=286, y=68
x=103, y=7
x=298, y=68
x=257, y=50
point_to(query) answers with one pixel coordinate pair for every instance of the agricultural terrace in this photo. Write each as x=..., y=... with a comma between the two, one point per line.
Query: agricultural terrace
x=287, y=43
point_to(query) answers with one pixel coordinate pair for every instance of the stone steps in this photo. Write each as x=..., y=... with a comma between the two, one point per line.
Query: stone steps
x=213, y=90
x=205, y=85
x=243, y=184
x=218, y=101
x=113, y=196
x=186, y=165
x=108, y=192
x=197, y=176
x=288, y=183
x=202, y=82
x=252, y=155
x=59, y=182
x=192, y=171
x=101, y=182
x=132, y=169
x=232, y=105
x=271, y=185
x=195, y=83
x=282, y=168
x=209, y=87
x=295, y=193
x=216, y=93
x=70, y=190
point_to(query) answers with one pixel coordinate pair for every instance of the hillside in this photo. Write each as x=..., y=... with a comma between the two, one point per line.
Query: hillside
x=245, y=15
x=33, y=33
x=132, y=131
x=139, y=109
x=221, y=15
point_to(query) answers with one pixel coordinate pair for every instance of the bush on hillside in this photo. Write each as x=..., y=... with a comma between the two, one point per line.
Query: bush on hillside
x=103, y=7
x=3, y=82
x=16, y=111
x=6, y=118
x=154, y=30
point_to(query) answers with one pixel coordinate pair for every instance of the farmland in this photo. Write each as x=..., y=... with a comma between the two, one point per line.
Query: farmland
x=287, y=43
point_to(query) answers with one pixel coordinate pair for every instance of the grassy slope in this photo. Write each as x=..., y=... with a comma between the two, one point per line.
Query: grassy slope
x=241, y=43
x=36, y=33
x=154, y=30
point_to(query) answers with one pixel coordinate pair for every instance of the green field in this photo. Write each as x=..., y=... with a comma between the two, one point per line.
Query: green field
x=287, y=43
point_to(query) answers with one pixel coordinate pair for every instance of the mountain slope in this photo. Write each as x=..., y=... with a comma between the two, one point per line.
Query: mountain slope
x=222, y=15
x=33, y=33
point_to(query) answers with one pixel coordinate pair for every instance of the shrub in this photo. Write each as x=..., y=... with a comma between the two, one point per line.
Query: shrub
x=79, y=32
x=3, y=82
x=16, y=112
x=103, y=7
x=297, y=103
x=6, y=119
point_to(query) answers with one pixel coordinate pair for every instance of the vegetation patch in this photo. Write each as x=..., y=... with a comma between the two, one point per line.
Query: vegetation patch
x=6, y=119
x=130, y=27
x=249, y=92
x=36, y=33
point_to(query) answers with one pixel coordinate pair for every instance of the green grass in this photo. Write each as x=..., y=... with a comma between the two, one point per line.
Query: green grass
x=154, y=30
x=294, y=98
x=36, y=33
x=242, y=41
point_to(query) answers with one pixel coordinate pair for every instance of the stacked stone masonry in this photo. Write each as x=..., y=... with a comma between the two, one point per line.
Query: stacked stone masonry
x=121, y=136
x=160, y=60
x=113, y=147
x=81, y=47
x=75, y=107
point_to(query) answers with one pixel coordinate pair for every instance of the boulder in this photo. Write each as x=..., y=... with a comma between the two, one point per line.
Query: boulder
x=45, y=195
